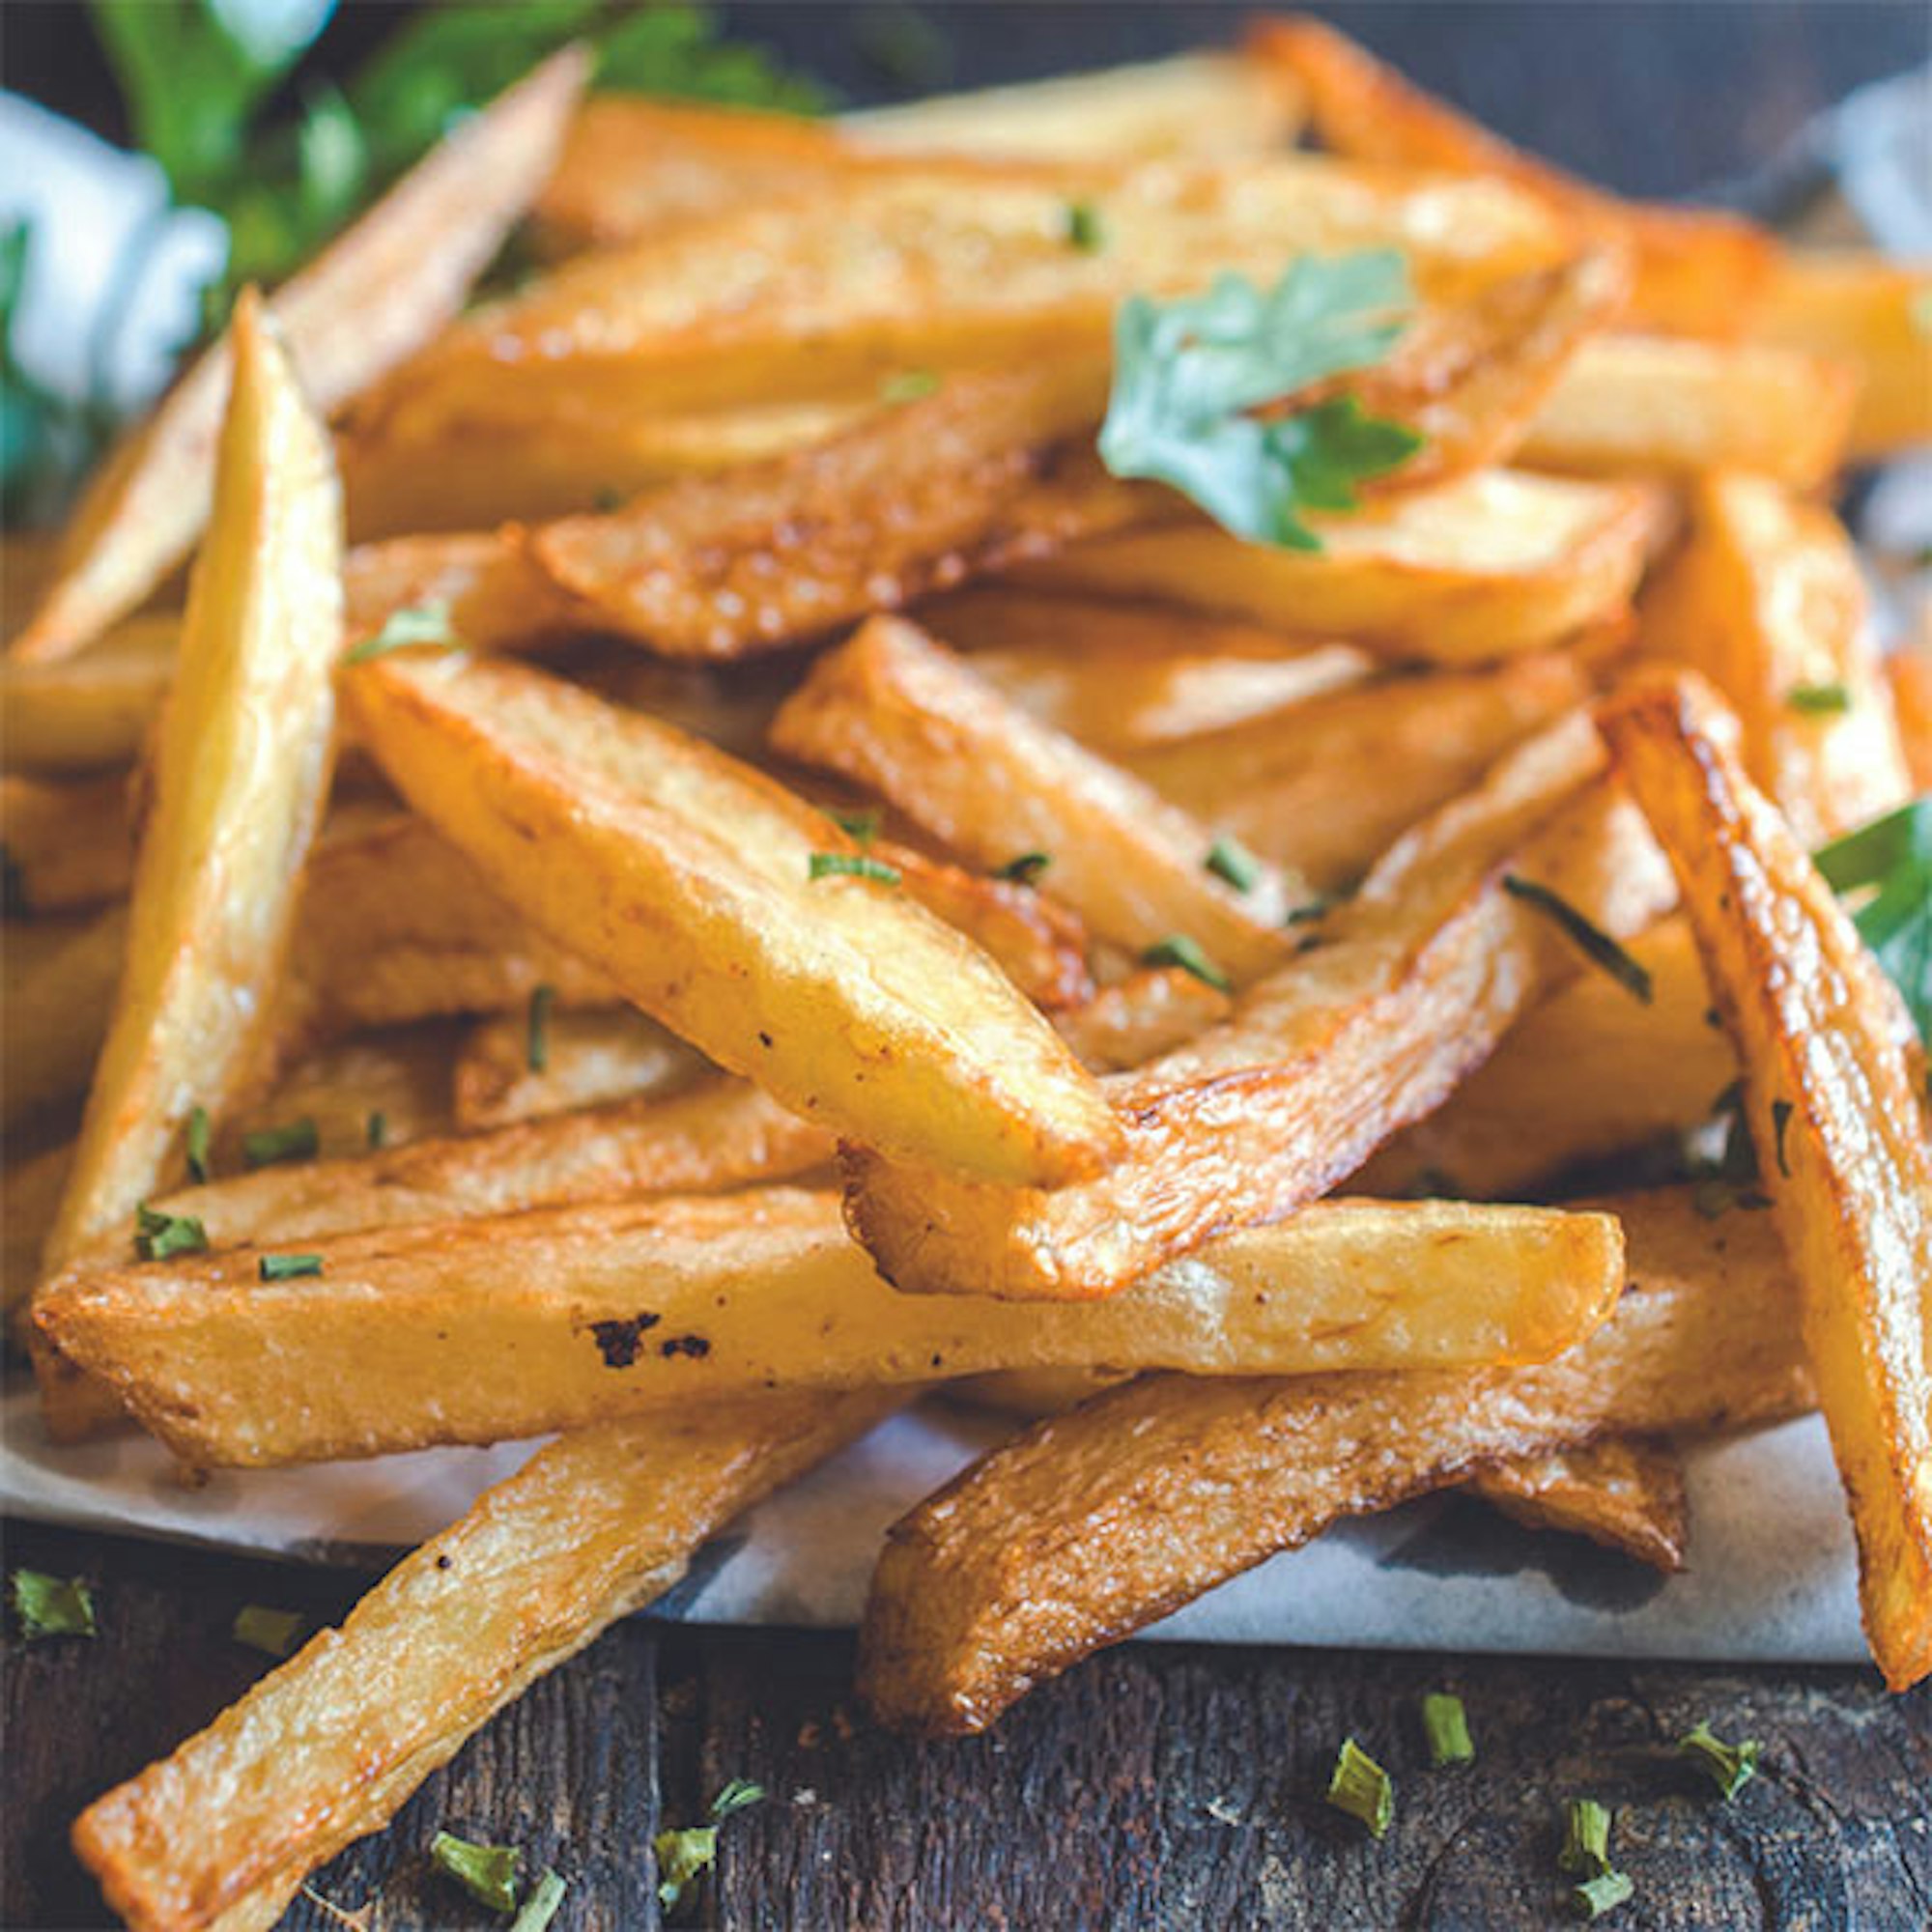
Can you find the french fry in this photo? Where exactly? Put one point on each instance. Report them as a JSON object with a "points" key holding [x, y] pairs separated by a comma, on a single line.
{"points": [[1150, 1013], [687, 877], [1590, 1073], [1325, 788], [1408, 988], [30, 1193], [384, 1087], [610, 1309], [90, 712], [1768, 601], [1125, 677], [242, 774], [326, 1747], [1623, 1492], [1093, 1524], [485, 583], [66, 844], [1483, 568], [1698, 272], [579, 1059], [1832, 1103], [1646, 405], [57, 981], [379, 291], [900, 714]]}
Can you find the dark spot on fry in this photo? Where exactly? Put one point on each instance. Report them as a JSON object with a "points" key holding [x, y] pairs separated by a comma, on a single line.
{"points": [[620, 1341], [694, 1345]]}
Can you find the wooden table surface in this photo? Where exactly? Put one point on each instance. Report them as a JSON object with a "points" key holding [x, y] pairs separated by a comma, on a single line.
{"points": [[1161, 1784]]}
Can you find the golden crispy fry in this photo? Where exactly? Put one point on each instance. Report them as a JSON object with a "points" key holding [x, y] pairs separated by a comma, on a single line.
{"points": [[1483, 567], [493, 595], [1697, 271], [1909, 672], [1325, 788], [1125, 677], [1409, 988], [242, 774], [1832, 1102], [30, 1193], [384, 1087], [907, 718], [326, 1747], [91, 711], [1644, 405], [606, 1310], [1093, 1524], [1153, 1012], [1589, 1074], [585, 1057], [1867, 313], [1767, 599], [57, 981], [377, 293], [1624, 1493], [688, 878], [68, 844]]}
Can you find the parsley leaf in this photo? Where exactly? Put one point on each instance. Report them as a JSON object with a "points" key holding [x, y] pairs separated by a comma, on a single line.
{"points": [[51, 1605], [1188, 372], [682, 1855], [1891, 860]]}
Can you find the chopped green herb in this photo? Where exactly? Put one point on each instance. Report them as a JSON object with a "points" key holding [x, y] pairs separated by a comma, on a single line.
{"points": [[1729, 1766], [274, 1633], [853, 865], [1597, 1895], [683, 1854], [606, 499], [488, 1873], [863, 826], [1025, 870], [740, 1794], [540, 1906], [51, 1605], [1308, 914], [289, 1267], [1178, 950], [375, 1131], [1359, 1786], [416, 626], [1446, 1727], [1891, 860], [159, 1237], [197, 1144], [1596, 944], [268, 1146], [908, 386], [1818, 698], [1229, 859], [1189, 372], [1586, 1838], [1780, 1120], [1085, 228], [536, 1029]]}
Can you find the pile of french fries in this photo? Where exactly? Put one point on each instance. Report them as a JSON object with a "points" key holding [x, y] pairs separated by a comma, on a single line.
{"points": [[767, 882]]}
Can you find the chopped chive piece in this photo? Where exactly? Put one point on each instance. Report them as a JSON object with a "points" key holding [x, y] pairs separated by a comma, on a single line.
{"points": [[289, 1267], [1586, 1838], [1592, 939], [267, 1147], [853, 865], [1306, 915], [1178, 950], [863, 826], [1780, 1119], [414, 625], [51, 1605], [1359, 1786], [1729, 1766], [197, 1144], [536, 1033], [488, 1873], [540, 1906], [1818, 698], [1085, 229], [738, 1794], [1229, 859], [274, 1633], [1447, 1729], [1025, 870], [683, 1854], [375, 1131], [1601, 1894], [159, 1237], [908, 386]]}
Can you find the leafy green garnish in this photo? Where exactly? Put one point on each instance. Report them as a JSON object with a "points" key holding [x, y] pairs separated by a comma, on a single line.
{"points": [[1601, 1894], [414, 627], [159, 1237], [1819, 699], [682, 1855], [908, 386], [274, 1633], [1359, 1786], [1086, 230], [1178, 949], [375, 1131], [288, 1267], [1229, 859], [540, 1906], [1189, 374], [536, 1029], [51, 1605], [1025, 870], [1890, 860], [1729, 1766], [269, 1146], [1586, 1838], [488, 1873], [852, 865], [197, 1143], [863, 826], [1592, 939], [1446, 1727]]}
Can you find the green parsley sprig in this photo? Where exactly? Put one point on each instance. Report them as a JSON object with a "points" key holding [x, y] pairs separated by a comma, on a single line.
{"points": [[1888, 865]]}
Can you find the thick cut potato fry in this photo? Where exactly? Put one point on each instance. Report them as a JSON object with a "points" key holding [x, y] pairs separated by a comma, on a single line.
{"points": [[1325, 788], [1624, 1493], [1768, 601], [57, 981], [491, 593], [1696, 271], [1123, 677], [1644, 405], [66, 844], [579, 1059], [1410, 987], [1589, 1074], [379, 291], [326, 1747], [241, 775], [384, 1087], [612, 1309], [907, 718], [1867, 313], [91, 711], [1093, 1524], [1832, 1103], [1153, 1011], [687, 877], [1483, 567]]}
